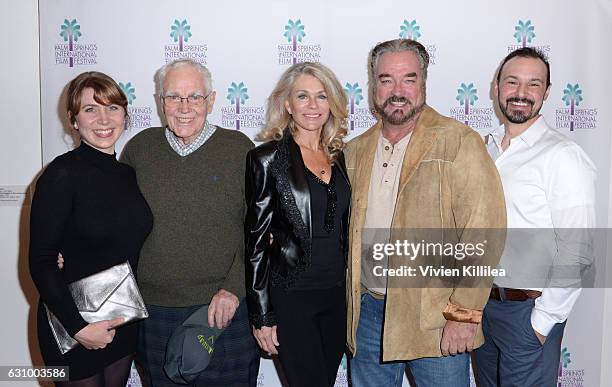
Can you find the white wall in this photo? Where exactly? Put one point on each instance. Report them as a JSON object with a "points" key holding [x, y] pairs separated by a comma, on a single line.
{"points": [[20, 161], [606, 339]]}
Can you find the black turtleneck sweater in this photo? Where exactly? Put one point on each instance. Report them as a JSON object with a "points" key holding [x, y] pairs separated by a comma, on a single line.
{"points": [[88, 207]]}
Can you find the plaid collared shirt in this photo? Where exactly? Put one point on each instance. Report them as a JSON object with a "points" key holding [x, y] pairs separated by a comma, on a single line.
{"points": [[184, 150]]}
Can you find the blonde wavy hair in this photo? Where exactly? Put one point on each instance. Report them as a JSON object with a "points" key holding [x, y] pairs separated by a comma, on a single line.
{"points": [[277, 117]]}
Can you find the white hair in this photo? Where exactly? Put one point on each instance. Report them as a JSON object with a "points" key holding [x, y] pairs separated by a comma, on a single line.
{"points": [[162, 72]]}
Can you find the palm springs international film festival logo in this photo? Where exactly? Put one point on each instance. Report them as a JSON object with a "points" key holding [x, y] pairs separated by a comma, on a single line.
{"points": [[180, 32], [524, 33], [570, 116], [358, 117], [467, 112], [295, 51], [238, 115], [134, 379], [140, 116], [411, 30], [566, 376], [342, 374], [71, 52]]}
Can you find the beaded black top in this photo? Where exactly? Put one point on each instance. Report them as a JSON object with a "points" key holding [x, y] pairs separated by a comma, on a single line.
{"points": [[332, 199], [328, 203]]}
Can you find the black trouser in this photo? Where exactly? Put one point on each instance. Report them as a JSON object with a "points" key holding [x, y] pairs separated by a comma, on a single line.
{"points": [[312, 334]]}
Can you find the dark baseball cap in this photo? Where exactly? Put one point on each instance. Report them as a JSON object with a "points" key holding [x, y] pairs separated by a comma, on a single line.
{"points": [[191, 347]]}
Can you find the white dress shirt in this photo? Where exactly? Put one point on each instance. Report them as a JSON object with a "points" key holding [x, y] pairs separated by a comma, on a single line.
{"points": [[549, 185]]}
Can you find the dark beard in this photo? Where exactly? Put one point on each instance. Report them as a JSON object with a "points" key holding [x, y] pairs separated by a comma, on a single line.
{"points": [[396, 117], [518, 117]]}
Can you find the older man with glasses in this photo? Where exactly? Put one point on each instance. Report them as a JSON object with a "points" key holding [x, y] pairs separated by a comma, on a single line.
{"points": [[192, 175]]}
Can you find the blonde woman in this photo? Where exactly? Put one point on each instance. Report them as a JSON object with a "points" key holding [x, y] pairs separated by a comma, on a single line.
{"points": [[298, 198]]}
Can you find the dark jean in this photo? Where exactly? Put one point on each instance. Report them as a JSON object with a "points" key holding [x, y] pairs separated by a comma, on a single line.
{"points": [[367, 369], [512, 354], [235, 361]]}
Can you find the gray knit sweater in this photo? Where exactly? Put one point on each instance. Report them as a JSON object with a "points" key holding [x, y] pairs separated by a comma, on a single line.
{"points": [[196, 246]]}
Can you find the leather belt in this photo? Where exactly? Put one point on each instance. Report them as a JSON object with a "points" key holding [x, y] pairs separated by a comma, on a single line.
{"points": [[376, 295], [509, 294]]}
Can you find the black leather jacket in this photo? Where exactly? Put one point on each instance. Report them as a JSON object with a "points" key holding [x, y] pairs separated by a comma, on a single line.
{"points": [[278, 203]]}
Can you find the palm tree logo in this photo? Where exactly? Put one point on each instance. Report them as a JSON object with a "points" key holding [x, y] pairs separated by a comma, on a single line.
{"points": [[180, 32], [294, 32], [129, 91], [71, 32], [237, 94], [410, 30], [354, 94], [523, 32], [466, 95], [572, 96], [563, 363], [565, 357]]}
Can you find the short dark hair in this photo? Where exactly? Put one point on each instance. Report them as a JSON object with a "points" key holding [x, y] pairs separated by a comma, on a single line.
{"points": [[395, 45], [526, 52], [398, 45], [106, 92]]}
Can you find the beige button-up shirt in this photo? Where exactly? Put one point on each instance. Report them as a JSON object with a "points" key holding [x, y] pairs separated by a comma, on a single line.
{"points": [[382, 196]]}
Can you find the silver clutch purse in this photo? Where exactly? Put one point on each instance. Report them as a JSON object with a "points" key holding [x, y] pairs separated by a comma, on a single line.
{"points": [[106, 295]]}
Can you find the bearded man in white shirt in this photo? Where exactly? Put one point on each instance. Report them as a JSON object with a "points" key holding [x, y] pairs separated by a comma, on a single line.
{"points": [[549, 186]]}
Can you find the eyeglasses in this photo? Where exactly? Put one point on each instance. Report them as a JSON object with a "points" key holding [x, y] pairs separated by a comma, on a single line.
{"points": [[192, 100]]}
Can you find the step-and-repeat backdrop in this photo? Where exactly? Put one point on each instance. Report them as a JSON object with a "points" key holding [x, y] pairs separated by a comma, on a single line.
{"points": [[247, 44]]}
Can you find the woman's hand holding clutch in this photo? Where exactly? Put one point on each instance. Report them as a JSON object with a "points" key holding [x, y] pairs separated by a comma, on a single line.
{"points": [[99, 334]]}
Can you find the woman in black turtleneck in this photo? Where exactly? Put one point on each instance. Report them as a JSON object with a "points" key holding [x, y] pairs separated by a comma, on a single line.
{"points": [[88, 207]]}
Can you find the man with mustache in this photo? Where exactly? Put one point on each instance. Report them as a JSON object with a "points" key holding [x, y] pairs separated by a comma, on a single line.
{"points": [[549, 187], [415, 169]]}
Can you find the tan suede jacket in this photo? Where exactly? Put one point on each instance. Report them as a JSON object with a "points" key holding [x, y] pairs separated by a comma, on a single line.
{"points": [[447, 181]]}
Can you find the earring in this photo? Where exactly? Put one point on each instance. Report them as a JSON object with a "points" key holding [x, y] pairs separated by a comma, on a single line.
{"points": [[76, 126]]}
